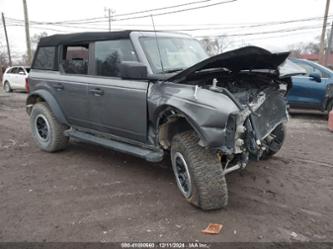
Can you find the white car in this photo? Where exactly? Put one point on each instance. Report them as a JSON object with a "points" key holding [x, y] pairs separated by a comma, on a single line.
{"points": [[16, 78]]}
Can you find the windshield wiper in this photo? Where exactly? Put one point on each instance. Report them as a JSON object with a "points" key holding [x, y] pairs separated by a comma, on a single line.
{"points": [[173, 70]]}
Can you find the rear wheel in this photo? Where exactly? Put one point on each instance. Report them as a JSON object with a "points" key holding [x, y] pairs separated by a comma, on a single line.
{"points": [[6, 87], [47, 132], [198, 172], [275, 141]]}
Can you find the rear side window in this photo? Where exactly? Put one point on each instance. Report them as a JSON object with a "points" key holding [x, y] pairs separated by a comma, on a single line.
{"points": [[45, 58], [109, 54], [75, 59], [12, 70]]}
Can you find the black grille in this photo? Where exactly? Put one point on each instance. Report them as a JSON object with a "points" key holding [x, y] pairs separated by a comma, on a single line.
{"points": [[271, 113]]}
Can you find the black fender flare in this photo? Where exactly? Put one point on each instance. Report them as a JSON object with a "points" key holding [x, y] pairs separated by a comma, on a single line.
{"points": [[162, 110], [50, 100]]}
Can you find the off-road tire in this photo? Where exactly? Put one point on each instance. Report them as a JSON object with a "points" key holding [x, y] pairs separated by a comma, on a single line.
{"points": [[274, 147], [209, 187], [57, 140], [6, 87]]}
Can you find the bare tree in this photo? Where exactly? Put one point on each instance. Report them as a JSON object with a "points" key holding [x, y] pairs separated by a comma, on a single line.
{"points": [[34, 42], [306, 48], [216, 45], [3, 59], [35, 39]]}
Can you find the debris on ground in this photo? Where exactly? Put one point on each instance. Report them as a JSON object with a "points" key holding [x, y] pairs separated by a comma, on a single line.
{"points": [[212, 229]]}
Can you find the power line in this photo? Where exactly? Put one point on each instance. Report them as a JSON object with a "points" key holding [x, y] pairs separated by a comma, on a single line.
{"points": [[204, 26], [294, 33], [163, 8], [275, 31], [104, 19], [175, 11], [295, 29], [285, 30]]}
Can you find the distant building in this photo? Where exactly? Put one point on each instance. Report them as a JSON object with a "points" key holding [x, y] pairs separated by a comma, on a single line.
{"points": [[315, 58]]}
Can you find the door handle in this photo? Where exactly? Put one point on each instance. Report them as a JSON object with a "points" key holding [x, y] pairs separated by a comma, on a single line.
{"points": [[58, 87], [96, 91]]}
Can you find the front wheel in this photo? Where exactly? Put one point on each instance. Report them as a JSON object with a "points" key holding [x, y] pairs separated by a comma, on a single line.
{"points": [[198, 172], [275, 141], [6, 87]]}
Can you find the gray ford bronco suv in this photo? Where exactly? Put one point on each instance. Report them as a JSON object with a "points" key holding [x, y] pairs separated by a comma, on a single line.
{"points": [[152, 94]]}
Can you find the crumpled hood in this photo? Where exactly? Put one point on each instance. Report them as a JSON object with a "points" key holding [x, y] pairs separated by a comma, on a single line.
{"points": [[246, 58]]}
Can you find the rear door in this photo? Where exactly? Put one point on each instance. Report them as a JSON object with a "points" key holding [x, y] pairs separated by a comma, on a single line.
{"points": [[116, 106], [62, 71], [72, 83]]}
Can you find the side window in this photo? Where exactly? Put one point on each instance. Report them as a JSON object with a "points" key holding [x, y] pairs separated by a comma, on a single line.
{"points": [[75, 59], [310, 69], [20, 70], [324, 74], [307, 68], [45, 58], [109, 54]]}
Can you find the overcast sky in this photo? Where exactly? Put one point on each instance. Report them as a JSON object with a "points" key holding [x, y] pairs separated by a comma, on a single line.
{"points": [[227, 19]]}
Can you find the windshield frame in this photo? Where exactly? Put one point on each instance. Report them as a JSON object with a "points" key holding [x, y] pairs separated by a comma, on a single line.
{"points": [[167, 70]]}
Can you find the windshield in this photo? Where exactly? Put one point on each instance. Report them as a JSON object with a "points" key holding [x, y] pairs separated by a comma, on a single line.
{"points": [[176, 53]]}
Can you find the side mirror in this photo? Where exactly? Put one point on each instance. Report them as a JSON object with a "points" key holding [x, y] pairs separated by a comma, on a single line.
{"points": [[315, 77], [133, 70]]}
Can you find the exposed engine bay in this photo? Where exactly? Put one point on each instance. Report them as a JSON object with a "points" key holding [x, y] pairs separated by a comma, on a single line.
{"points": [[260, 99]]}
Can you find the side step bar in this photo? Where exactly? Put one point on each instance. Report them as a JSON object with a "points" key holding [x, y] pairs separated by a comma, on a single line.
{"points": [[149, 155]]}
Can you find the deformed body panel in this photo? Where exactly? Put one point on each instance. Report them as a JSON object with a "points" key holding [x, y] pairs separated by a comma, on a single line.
{"points": [[205, 110]]}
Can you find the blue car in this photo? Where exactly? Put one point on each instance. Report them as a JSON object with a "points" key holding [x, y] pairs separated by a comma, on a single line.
{"points": [[313, 90]]}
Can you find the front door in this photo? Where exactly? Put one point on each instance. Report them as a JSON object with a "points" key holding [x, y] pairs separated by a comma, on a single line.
{"points": [[306, 92], [117, 106]]}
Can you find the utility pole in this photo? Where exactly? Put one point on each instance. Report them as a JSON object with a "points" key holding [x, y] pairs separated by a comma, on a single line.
{"points": [[109, 15], [27, 32], [322, 38], [7, 42], [329, 46]]}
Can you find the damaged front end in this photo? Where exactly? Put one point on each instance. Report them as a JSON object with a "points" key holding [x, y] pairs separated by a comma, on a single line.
{"points": [[261, 109], [251, 79], [259, 115]]}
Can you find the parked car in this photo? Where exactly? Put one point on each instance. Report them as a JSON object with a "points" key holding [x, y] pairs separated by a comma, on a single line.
{"points": [[314, 89], [16, 78], [147, 93]]}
